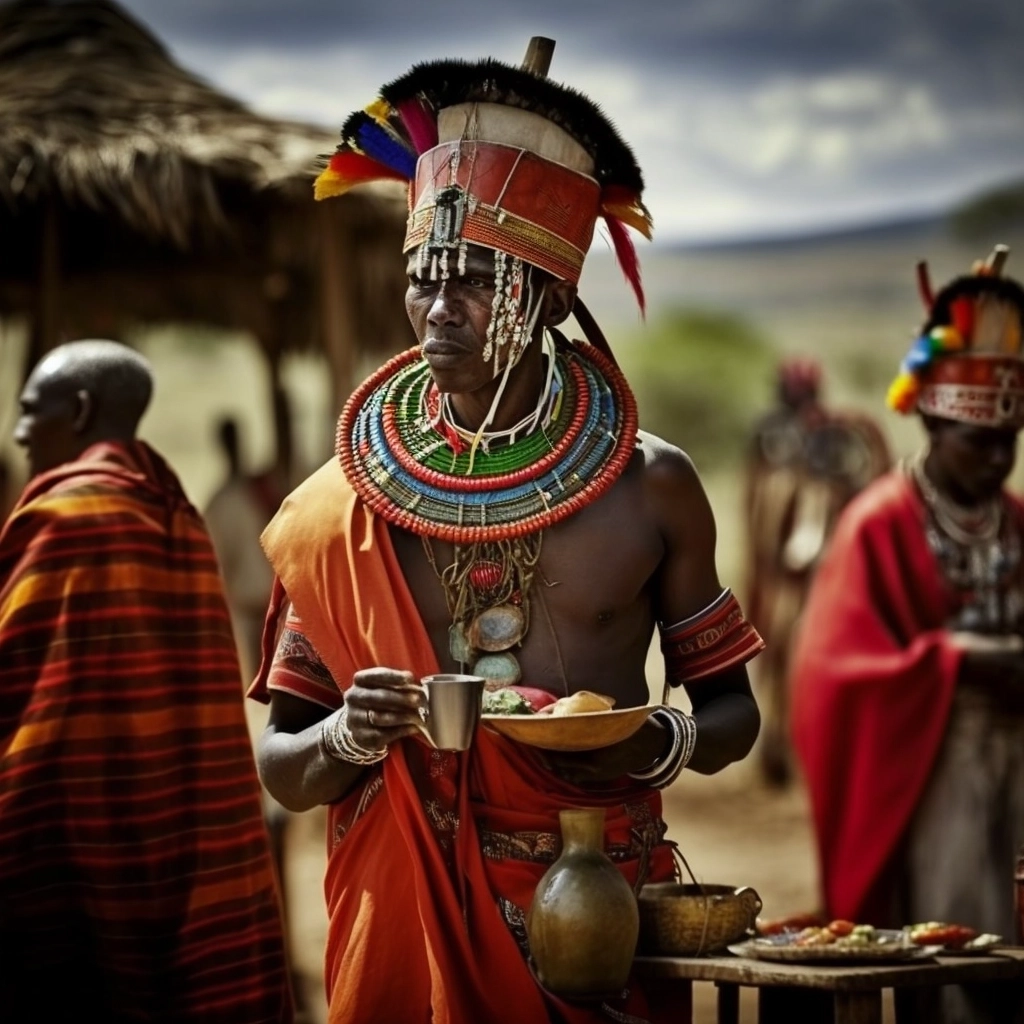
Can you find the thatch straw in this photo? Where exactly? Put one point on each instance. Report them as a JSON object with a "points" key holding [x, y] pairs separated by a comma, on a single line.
{"points": [[92, 107]]}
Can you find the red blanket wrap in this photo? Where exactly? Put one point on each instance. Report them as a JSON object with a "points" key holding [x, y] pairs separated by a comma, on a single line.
{"points": [[135, 875], [873, 679], [434, 861]]}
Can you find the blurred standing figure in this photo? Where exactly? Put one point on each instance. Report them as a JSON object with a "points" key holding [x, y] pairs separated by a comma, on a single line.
{"points": [[236, 515], [908, 682], [806, 462], [135, 875]]}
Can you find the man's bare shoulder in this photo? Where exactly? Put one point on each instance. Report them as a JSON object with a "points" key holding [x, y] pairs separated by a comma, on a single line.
{"points": [[668, 471]]}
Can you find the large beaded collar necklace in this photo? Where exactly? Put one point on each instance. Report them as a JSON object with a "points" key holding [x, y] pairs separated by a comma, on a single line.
{"points": [[408, 466], [405, 469]]}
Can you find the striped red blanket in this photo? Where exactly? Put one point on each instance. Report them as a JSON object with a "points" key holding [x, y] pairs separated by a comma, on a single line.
{"points": [[135, 873]]}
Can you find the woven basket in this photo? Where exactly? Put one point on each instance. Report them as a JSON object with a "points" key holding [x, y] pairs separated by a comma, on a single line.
{"points": [[688, 920]]}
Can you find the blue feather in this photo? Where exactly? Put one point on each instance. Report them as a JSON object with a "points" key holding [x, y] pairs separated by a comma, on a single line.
{"points": [[378, 143], [919, 356]]}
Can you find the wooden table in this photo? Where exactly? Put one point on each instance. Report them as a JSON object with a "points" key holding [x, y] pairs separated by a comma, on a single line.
{"points": [[847, 995]]}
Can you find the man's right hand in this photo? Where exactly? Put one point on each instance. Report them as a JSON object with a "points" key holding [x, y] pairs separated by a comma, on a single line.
{"points": [[383, 706], [996, 667]]}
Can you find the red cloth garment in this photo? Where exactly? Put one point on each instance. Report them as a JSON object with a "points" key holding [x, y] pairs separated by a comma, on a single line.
{"points": [[135, 874], [434, 858], [873, 678]]}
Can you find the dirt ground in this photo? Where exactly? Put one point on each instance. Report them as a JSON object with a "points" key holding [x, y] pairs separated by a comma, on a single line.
{"points": [[731, 828]]}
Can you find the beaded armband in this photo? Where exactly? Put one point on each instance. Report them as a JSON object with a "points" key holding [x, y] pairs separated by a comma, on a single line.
{"points": [[717, 638]]}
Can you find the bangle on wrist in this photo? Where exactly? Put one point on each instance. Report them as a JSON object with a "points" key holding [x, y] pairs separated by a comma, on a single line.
{"points": [[666, 769], [337, 742]]}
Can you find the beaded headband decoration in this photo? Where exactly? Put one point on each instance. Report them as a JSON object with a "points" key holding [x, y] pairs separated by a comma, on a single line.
{"points": [[967, 365], [499, 156]]}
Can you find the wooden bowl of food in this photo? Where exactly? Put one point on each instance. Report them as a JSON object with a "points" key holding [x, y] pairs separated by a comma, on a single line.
{"points": [[689, 920]]}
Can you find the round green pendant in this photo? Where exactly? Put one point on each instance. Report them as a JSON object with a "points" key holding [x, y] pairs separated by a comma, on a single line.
{"points": [[498, 669]]}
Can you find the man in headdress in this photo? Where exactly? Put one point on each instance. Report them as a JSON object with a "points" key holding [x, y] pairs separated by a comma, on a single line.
{"points": [[492, 509], [806, 461], [908, 686], [136, 881]]}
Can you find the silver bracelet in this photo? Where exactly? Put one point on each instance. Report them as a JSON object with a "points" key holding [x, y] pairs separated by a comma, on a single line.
{"points": [[337, 742], [667, 769]]}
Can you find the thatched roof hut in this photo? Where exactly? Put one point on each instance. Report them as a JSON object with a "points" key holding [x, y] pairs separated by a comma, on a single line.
{"points": [[133, 193]]}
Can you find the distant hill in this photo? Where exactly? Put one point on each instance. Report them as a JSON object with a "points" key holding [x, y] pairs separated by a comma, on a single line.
{"points": [[992, 211], [921, 226]]}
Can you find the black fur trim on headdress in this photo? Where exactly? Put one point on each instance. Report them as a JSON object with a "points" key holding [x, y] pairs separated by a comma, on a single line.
{"points": [[445, 83]]}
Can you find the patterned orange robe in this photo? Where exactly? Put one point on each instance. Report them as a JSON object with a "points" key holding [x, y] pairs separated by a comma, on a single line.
{"points": [[433, 860]]}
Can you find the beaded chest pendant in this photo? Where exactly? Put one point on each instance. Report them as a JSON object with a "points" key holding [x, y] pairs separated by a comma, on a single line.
{"points": [[491, 504]]}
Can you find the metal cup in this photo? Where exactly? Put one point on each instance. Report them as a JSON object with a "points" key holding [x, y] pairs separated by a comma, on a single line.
{"points": [[453, 709]]}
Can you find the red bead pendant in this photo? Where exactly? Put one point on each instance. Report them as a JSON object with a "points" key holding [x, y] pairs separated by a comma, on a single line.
{"points": [[484, 575]]}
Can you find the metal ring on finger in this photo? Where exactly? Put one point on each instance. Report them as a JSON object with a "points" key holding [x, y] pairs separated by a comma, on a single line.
{"points": [[369, 719]]}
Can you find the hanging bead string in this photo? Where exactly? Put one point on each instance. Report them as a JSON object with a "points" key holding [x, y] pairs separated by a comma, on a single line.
{"points": [[518, 559], [538, 418], [979, 552], [514, 313], [964, 525]]}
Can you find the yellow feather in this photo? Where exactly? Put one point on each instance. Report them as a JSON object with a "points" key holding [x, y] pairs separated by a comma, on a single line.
{"points": [[380, 110], [636, 216], [330, 184]]}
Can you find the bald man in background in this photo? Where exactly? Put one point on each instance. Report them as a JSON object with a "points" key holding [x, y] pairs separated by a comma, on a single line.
{"points": [[135, 873]]}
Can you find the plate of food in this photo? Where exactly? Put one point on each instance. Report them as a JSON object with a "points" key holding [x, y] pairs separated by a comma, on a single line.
{"points": [[837, 941], [582, 721], [955, 939]]}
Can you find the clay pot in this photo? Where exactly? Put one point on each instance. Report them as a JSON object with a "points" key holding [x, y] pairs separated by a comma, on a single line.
{"points": [[583, 922]]}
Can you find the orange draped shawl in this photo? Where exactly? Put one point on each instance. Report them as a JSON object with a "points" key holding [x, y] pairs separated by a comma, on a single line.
{"points": [[135, 873], [873, 679], [430, 868]]}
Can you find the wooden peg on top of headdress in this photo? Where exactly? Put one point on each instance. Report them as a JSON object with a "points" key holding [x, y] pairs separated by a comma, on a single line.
{"points": [[996, 260], [538, 56]]}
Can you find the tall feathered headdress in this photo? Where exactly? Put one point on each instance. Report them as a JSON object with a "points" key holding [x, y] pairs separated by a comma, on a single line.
{"points": [[967, 363], [498, 156]]}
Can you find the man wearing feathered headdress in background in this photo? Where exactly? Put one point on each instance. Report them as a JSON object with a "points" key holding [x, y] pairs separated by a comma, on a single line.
{"points": [[806, 460], [492, 510], [908, 678]]}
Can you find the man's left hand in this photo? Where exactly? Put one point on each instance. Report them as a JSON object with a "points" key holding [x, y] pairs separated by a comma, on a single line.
{"points": [[587, 767]]}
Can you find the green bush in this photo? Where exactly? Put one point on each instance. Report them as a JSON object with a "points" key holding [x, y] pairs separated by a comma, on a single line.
{"points": [[701, 378]]}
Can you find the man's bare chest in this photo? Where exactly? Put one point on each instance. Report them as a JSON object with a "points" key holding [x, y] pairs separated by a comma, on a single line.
{"points": [[589, 604]]}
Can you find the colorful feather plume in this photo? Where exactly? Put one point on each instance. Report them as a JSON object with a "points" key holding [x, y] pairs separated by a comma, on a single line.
{"points": [[629, 262], [363, 133], [345, 170]]}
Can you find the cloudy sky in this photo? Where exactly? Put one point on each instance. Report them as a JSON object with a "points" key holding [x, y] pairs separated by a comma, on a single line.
{"points": [[749, 117]]}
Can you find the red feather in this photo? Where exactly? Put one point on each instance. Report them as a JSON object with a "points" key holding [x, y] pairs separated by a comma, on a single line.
{"points": [[625, 253], [420, 123], [962, 314]]}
